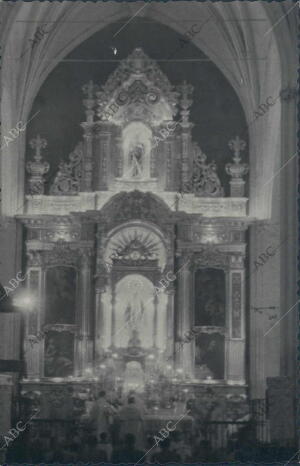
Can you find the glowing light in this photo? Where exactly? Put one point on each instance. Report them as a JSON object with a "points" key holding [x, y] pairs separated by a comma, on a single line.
{"points": [[57, 379], [25, 300]]}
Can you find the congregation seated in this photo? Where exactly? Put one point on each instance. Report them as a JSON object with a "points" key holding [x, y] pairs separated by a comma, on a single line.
{"points": [[128, 453], [105, 445], [92, 451], [119, 435], [166, 455]]}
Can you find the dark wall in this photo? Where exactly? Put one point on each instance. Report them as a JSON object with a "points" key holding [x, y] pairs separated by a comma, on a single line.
{"points": [[216, 111]]}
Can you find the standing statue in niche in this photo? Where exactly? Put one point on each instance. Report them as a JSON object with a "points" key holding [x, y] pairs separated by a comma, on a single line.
{"points": [[136, 156], [134, 341]]}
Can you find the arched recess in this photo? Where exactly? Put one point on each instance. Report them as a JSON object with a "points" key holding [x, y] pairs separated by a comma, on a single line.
{"points": [[224, 31]]}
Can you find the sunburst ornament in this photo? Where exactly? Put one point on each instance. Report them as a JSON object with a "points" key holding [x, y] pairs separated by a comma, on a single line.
{"points": [[136, 245]]}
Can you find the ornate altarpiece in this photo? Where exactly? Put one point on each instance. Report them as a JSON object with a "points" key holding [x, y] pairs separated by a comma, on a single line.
{"points": [[136, 201]]}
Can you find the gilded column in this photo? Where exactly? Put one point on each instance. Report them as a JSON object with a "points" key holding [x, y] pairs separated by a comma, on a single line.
{"points": [[183, 356], [119, 157], [185, 103], [99, 318], [170, 323], [89, 103], [84, 342], [33, 346], [87, 172], [100, 288], [168, 162], [104, 134], [113, 315], [236, 339], [155, 321], [186, 139]]}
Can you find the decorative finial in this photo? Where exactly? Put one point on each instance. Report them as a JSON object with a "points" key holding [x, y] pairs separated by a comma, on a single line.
{"points": [[237, 145], [185, 103], [236, 169], [38, 144], [89, 102], [89, 89], [37, 169]]}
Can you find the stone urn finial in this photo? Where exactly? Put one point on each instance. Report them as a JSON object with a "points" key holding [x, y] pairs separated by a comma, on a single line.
{"points": [[237, 170]]}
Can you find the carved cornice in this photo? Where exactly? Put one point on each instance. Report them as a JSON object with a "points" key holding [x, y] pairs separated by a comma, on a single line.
{"points": [[62, 253], [50, 228], [73, 329], [48, 221], [211, 257], [211, 231]]}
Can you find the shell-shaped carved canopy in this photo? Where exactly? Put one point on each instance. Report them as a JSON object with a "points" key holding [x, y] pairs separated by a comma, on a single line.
{"points": [[136, 205]]}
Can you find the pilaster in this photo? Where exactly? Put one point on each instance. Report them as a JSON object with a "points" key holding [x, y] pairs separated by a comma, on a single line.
{"points": [[183, 357]]}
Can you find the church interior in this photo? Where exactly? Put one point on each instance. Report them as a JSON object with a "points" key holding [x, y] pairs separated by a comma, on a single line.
{"points": [[149, 227]]}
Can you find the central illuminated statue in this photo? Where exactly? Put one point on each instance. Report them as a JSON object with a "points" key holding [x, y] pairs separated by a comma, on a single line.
{"points": [[136, 156]]}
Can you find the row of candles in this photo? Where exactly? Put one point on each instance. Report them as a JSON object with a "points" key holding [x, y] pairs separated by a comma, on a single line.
{"points": [[99, 373]]}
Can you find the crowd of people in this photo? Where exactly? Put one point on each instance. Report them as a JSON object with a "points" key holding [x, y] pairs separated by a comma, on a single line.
{"points": [[114, 431]]}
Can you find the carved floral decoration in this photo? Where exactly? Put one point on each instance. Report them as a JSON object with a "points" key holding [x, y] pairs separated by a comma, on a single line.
{"points": [[67, 179], [206, 182]]}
